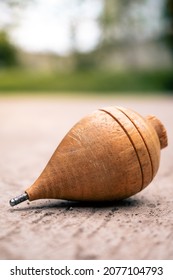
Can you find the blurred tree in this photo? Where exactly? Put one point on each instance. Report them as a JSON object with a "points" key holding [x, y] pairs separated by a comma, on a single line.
{"points": [[115, 19], [10, 10], [168, 13], [8, 53]]}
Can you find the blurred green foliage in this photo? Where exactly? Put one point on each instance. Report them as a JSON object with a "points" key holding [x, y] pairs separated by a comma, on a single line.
{"points": [[85, 74], [86, 81], [168, 14], [8, 53]]}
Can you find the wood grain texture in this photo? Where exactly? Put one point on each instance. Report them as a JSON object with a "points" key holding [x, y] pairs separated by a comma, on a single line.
{"points": [[110, 154]]}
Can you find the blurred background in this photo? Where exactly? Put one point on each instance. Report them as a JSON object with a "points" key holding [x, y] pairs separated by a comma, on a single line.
{"points": [[86, 46]]}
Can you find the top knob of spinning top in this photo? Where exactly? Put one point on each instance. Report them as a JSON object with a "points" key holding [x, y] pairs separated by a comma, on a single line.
{"points": [[160, 130]]}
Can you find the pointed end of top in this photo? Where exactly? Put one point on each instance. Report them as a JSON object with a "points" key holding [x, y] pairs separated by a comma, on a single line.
{"points": [[160, 130], [18, 199]]}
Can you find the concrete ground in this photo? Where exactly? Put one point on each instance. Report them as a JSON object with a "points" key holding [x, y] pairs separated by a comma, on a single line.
{"points": [[140, 227]]}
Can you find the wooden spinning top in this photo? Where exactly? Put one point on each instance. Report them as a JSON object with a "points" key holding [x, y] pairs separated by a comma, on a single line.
{"points": [[110, 154]]}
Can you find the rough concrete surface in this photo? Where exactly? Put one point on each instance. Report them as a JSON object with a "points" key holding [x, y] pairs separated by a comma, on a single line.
{"points": [[140, 227]]}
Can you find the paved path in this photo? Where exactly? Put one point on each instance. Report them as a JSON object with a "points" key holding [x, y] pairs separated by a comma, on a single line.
{"points": [[138, 228]]}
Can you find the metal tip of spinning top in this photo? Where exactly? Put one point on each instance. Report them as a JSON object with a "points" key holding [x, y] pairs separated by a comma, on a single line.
{"points": [[18, 199]]}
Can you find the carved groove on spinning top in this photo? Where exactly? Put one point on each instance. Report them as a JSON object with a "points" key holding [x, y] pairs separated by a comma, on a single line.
{"points": [[140, 164], [141, 137]]}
